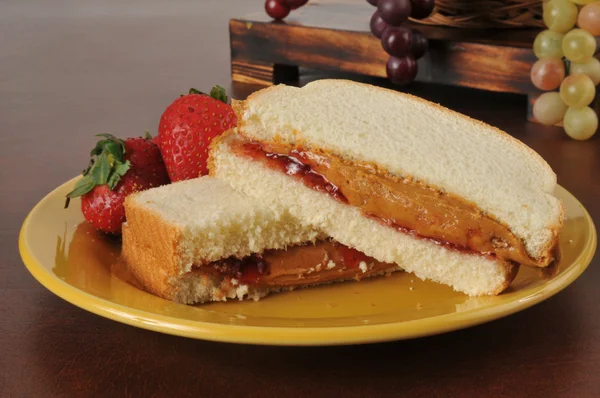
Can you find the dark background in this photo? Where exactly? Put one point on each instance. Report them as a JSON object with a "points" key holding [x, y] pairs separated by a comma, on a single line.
{"points": [[70, 69]]}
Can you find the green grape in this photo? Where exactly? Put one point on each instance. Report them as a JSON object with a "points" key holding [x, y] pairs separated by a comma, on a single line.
{"points": [[577, 91], [548, 44], [560, 15], [578, 45], [580, 123], [590, 68], [549, 108]]}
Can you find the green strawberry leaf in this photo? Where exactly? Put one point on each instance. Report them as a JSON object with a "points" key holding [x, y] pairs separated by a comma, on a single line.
{"points": [[87, 169], [82, 187], [111, 138], [113, 180], [118, 171], [115, 149], [111, 143], [100, 170], [194, 91], [219, 93], [106, 166], [121, 168], [148, 136], [98, 148]]}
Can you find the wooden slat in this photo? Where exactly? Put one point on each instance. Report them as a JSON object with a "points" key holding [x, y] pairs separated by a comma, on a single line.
{"points": [[494, 68], [251, 72]]}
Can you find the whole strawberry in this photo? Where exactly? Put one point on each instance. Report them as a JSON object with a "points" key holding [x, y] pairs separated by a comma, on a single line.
{"points": [[118, 168], [188, 126]]}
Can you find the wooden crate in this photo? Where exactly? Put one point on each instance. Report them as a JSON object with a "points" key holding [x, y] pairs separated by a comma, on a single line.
{"points": [[334, 35]]}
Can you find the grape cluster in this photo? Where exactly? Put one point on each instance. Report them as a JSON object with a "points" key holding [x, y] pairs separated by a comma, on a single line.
{"points": [[279, 9], [404, 45], [563, 50]]}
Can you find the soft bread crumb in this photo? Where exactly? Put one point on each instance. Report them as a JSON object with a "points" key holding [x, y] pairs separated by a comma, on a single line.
{"points": [[208, 221], [241, 291], [363, 266]]}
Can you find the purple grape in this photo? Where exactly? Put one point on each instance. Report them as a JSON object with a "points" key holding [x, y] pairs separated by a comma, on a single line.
{"points": [[293, 4], [276, 10], [420, 44], [378, 25], [394, 12], [402, 70], [397, 41], [421, 8], [373, 2]]}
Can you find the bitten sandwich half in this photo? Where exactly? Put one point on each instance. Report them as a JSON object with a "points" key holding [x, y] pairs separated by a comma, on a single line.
{"points": [[398, 178], [199, 241]]}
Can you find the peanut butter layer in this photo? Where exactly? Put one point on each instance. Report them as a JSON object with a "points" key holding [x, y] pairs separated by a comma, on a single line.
{"points": [[308, 264], [403, 203]]}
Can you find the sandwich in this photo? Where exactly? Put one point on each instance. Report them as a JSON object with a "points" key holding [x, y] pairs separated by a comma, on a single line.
{"points": [[199, 241], [398, 178]]}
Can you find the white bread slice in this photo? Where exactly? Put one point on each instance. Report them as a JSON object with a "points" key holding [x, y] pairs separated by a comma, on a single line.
{"points": [[145, 264], [202, 220], [409, 136], [473, 274], [171, 228]]}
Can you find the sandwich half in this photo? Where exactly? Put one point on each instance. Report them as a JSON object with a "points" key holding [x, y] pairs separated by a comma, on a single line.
{"points": [[199, 241], [403, 180]]}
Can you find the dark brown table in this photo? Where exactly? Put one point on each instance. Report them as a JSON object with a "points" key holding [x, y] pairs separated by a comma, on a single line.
{"points": [[69, 69]]}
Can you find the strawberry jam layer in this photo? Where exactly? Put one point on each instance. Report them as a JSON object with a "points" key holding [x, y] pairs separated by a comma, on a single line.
{"points": [[321, 262], [409, 206], [292, 165]]}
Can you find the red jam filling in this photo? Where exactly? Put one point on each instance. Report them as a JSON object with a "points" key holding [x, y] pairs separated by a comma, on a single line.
{"points": [[292, 166], [248, 270]]}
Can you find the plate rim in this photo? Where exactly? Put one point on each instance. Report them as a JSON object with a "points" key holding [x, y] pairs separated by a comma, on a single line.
{"points": [[296, 336]]}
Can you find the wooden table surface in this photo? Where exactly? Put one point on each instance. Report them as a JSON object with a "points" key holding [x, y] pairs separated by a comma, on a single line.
{"points": [[70, 69]]}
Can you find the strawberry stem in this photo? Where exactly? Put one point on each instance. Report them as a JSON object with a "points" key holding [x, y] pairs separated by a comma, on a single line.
{"points": [[217, 92], [195, 91], [106, 166]]}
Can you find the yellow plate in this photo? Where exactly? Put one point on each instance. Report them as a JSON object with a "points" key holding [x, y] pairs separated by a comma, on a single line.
{"points": [[80, 265]]}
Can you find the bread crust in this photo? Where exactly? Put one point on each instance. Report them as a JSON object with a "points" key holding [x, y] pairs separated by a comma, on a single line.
{"points": [[216, 142], [511, 270], [143, 244], [138, 262]]}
